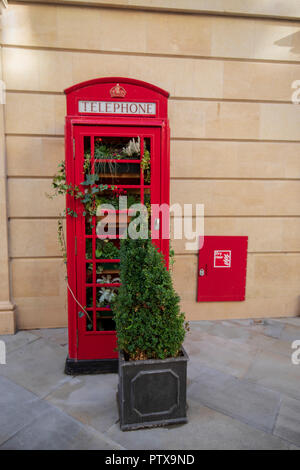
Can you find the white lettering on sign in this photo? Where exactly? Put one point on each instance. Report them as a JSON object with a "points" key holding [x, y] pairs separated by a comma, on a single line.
{"points": [[222, 259], [116, 107]]}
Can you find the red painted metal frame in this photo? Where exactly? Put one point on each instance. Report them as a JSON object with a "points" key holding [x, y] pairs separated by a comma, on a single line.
{"points": [[81, 345], [89, 343]]}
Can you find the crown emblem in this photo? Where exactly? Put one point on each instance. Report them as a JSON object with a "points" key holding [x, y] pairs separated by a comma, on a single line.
{"points": [[117, 91]]}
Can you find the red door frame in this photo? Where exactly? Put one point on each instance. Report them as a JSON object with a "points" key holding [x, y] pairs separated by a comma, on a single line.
{"points": [[95, 89], [89, 346]]}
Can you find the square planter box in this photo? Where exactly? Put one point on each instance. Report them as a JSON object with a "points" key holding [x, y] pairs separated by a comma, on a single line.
{"points": [[153, 392]]}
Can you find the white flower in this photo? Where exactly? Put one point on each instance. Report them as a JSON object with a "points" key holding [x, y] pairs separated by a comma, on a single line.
{"points": [[132, 147]]}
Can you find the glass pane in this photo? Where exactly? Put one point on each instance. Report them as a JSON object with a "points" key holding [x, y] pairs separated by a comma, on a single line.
{"points": [[87, 155], [107, 268], [89, 248], [112, 219], [89, 273], [111, 172], [133, 196], [146, 161], [114, 225], [107, 278], [106, 249], [117, 148], [105, 324], [88, 225], [147, 202], [89, 297], [89, 322], [112, 196], [147, 199], [105, 295]]}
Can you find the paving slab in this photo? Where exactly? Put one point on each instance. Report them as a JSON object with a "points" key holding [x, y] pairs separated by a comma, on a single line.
{"points": [[206, 429], [288, 421], [90, 399], [245, 335], [242, 321], [56, 335], [18, 408], [203, 325], [38, 366], [265, 326], [246, 401], [54, 430], [270, 328], [21, 338], [276, 372], [289, 320], [267, 343], [227, 330], [219, 353], [290, 333]]}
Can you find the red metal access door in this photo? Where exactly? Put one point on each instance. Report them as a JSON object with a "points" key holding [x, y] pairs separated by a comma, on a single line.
{"points": [[222, 269], [127, 160]]}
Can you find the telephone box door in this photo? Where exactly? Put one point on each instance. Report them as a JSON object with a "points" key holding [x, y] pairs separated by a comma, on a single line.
{"points": [[127, 163]]}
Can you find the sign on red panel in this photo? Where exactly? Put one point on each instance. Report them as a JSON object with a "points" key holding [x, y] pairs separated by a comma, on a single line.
{"points": [[222, 269], [222, 259]]}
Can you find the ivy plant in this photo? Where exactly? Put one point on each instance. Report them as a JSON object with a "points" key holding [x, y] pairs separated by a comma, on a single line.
{"points": [[145, 163]]}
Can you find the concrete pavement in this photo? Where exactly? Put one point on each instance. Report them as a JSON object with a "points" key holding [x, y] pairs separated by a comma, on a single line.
{"points": [[243, 393]]}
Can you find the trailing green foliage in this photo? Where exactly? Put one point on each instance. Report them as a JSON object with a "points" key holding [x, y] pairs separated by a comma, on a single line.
{"points": [[105, 249], [149, 323], [146, 166]]}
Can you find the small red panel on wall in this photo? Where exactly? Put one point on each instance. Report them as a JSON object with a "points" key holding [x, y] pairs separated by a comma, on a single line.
{"points": [[222, 269]]}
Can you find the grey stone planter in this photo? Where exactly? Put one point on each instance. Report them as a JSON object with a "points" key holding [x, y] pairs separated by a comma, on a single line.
{"points": [[153, 392]]}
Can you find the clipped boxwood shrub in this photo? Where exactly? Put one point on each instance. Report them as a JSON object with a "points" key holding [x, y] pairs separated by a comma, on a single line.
{"points": [[149, 323]]}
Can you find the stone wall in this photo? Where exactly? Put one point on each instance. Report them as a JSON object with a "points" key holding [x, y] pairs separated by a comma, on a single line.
{"points": [[235, 139]]}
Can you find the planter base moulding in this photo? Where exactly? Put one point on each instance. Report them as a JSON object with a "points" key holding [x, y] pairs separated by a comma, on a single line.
{"points": [[91, 366], [152, 393]]}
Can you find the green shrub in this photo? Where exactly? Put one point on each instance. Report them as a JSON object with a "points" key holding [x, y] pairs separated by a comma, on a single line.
{"points": [[149, 323]]}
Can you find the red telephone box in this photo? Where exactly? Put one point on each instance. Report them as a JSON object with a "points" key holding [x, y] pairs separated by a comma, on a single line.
{"points": [[118, 128]]}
